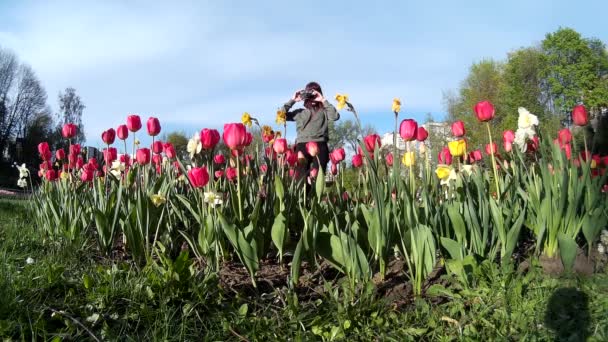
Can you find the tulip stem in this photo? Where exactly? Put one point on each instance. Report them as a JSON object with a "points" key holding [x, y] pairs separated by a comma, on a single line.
{"points": [[493, 162], [238, 186]]}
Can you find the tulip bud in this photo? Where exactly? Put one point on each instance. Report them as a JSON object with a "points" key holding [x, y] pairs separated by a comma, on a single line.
{"points": [[142, 156], [60, 154], [334, 169], [458, 129], [169, 150], [69, 130], [209, 138], [280, 146], [153, 126], [371, 141], [219, 174], [199, 177], [312, 148], [123, 132], [357, 160], [484, 111], [133, 123], [157, 147], [337, 155], [231, 173], [408, 129], [219, 159], [508, 136], [389, 159], [421, 134], [108, 136], [580, 116], [444, 156], [491, 149]]}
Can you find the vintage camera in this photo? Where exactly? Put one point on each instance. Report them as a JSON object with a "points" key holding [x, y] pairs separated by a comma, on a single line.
{"points": [[307, 94]]}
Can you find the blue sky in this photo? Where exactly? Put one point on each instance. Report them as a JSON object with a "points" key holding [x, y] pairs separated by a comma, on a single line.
{"points": [[200, 64]]}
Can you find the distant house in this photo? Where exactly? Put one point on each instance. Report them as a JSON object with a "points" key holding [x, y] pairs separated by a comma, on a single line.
{"points": [[440, 130]]}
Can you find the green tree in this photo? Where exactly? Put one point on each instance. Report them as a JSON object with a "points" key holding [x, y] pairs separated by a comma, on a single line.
{"points": [[345, 133], [179, 141]]}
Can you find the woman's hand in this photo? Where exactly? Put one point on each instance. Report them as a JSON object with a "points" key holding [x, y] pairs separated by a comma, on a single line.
{"points": [[296, 96], [318, 96]]}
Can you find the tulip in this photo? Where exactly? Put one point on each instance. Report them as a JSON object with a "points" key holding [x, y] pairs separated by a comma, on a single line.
{"points": [[484, 111], [122, 132], [169, 150], [45, 151], [337, 155], [291, 158], [357, 160], [580, 116], [219, 159], [263, 168], [124, 158], [389, 159], [50, 175], [444, 156], [153, 126], [235, 135], [371, 141], [133, 123], [408, 129], [79, 163], [231, 173], [209, 138], [59, 154], [312, 148], [568, 150], [334, 169], [92, 164], [533, 144], [87, 175], [46, 165], [421, 134], [477, 154], [605, 161], [564, 136], [443, 171], [75, 149], [491, 149], [409, 159], [157, 159], [280, 146], [199, 177], [108, 136], [293, 173], [508, 136], [458, 129], [457, 147], [219, 174], [142, 156], [157, 147], [314, 172], [69, 130], [110, 154]]}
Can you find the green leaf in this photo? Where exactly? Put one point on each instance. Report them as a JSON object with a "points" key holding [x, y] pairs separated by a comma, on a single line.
{"points": [[457, 222], [454, 248], [243, 310], [567, 250], [320, 183], [279, 233], [296, 262], [279, 189], [87, 281]]}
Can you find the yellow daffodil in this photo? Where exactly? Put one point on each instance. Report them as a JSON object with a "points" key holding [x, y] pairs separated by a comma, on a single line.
{"points": [[396, 105], [267, 130], [409, 159], [342, 99], [137, 142], [443, 171], [593, 164], [457, 147], [281, 117], [64, 175], [158, 200], [246, 119]]}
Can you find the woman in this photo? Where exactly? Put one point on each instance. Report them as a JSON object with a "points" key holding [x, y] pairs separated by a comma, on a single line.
{"points": [[312, 123]]}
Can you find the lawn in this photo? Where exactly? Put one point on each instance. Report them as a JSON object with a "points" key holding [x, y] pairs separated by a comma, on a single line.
{"points": [[62, 292]]}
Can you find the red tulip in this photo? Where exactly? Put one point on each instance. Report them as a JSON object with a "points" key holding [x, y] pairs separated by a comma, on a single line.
{"points": [[110, 154], [263, 168], [491, 149], [169, 150], [92, 164], [124, 158], [219, 174], [508, 136], [291, 157], [568, 150], [219, 159], [46, 165], [153, 126], [337, 155], [458, 129], [69, 130], [445, 157], [357, 160], [280, 146], [75, 149], [484, 111], [235, 135], [312, 148], [231, 173], [605, 160], [508, 146], [209, 138], [389, 159], [133, 123], [533, 144], [580, 116], [79, 163], [199, 177], [314, 172], [248, 139], [108, 136], [421, 134], [45, 151], [477, 153], [123, 132], [371, 141], [87, 175], [564, 136], [142, 156], [50, 175], [157, 147], [408, 129], [157, 159], [60, 154], [334, 169]]}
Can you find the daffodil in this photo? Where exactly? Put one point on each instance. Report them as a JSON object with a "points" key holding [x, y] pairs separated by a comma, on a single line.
{"points": [[396, 105], [212, 198], [267, 130], [409, 159], [22, 183], [451, 176], [137, 142], [246, 119], [64, 176], [194, 145], [526, 120], [281, 117], [468, 169], [342, 99], [23, 171], [158, 200], [443, 171], [457, 147]]}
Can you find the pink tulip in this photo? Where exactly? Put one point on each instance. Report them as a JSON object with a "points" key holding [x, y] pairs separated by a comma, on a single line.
{"points": [[219, 159], [263, 168], [231, 173], [157, 147], [291, 158], [508, 136], [389, 159], [312, 148], [334, 169], [199, 177], [314, 172], [408, 129], [235, 135], [110, 154], [484, 111], [371, 141], [209, 138], [45, 151], [491, 149], [219, 174], [69, 130], [357, 160], [108, 136], [458, 129], [445, 157], [280, 146], [133, 123], [153, 126], [580, 116], [50, 175], [564, 136], [60, 154], [337, 155], [421, 134], [169, 150], [122, 132], [87, 175], [142, 156]]}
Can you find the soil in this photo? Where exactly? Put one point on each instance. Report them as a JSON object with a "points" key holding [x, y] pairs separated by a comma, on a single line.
{"points": [[583, 264]]}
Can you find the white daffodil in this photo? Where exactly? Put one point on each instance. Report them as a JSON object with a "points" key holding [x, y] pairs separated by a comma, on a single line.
{"points": [[194, 145], [212, 198], [468, 169], [117, 168], [451, 177], [526, 119], [521, 137], [22, 183], [23, 171]]}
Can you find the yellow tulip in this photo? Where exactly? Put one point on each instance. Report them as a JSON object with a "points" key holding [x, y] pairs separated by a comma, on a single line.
{"points": [[443, 171], [281, 117], [396, 105], [409, 159], [246, 119], [457, 147], [342, 99]]}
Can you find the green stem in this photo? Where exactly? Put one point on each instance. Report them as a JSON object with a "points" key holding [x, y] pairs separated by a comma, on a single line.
{"points": [[493, 163], [238, 186]]}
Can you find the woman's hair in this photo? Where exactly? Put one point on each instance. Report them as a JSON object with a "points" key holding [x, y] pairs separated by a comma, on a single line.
{"points": [[311, 104]]}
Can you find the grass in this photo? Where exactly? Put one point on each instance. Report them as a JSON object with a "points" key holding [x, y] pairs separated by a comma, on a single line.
{"points": [[70, 293]]}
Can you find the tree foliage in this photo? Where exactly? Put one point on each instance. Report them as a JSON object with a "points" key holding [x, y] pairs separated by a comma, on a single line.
{"points": [[70, 111]]}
